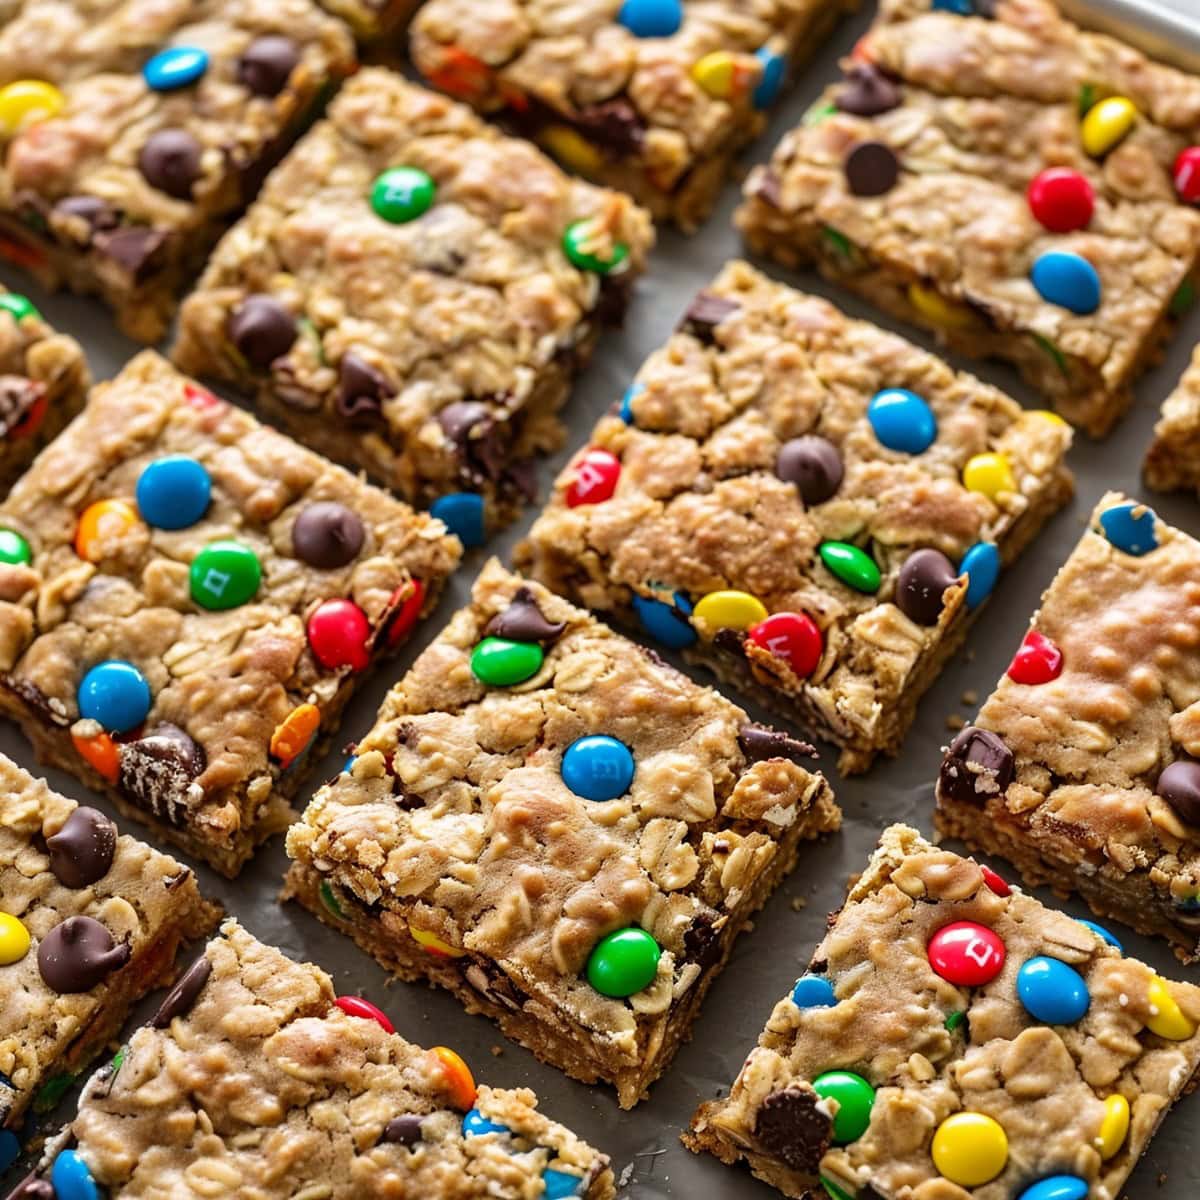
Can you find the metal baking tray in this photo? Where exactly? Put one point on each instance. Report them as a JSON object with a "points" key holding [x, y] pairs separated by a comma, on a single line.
{"points": [[644, 1144], [1168, 29]]}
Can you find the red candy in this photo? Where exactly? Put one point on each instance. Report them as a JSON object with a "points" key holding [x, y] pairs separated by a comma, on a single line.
{"points": [[1038, 660], [966, 954], [31, 422], [356, 1006], [199, 397], [995, 882], [1062, 199], [794, 637], [596, 476], [338, 632], [409, 610], [1187, 174]]}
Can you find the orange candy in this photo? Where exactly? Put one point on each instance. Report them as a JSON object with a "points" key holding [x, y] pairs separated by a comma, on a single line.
{"points": [[103, 522], [293, 734], [458, 1078], [100, 752], [461, 74]]}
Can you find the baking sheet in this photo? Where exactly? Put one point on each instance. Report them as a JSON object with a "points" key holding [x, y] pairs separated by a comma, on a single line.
{"points": [[644, 1144]]}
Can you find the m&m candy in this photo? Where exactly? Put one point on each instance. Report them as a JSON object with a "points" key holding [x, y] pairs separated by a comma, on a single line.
{"points": [[774, 68], [17, 306], [401, 194], [793, 637], [295, 733], [651, 18], [224, 574], [475, 1124], [813, 991], [994, 882], [1057, 1187], [14, 940], [1068, 280], [71, 1178], [981, 566], [966, 953], [730, 610], [1102, 934], [1062, 200], [632, 392], [598, 767], [114, 694], [1106, 124], [356, 1006], [558, 1185], [102, 527], [338, 634], [1187, 174], [175, 67], [1052, 992], [1166, 1018], [852, 565], [14, 549], [855, 1098], [1114, 1128], [462, 513], [1130, 527], [501, 662], [1037, 660], [902, 420], [457, 1076], [595, 478], [588, 247], [623, 962], [970, 1149], [25, 101], [989, 474], [173, 492], [666, 623]]}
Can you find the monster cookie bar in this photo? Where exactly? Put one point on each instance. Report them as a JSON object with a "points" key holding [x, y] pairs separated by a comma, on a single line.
{"points": [[130, 130], [412, 294], [808, 505], [194, 599], [89, 922], [953, 1039], [1022, 187], [1082, 766], [1173, 460], [253, 1080], [372, 20], [559, 828], [43, 381], [654, 97]]}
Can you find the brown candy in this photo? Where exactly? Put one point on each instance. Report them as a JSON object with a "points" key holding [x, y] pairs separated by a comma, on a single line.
{"points": [[405, 1129], [81, 852], [79, 953]]}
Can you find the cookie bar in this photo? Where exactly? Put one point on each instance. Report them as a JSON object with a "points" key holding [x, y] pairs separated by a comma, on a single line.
{"points": [[253, 1079], [1024, 188], [954, 1038], [412, 294], [654, 97], [372, 20], [1173, 460], [195, 600], [43, 381], [130, 131], [560, 829], [806, 504], [1079, 768], [89, 922]]}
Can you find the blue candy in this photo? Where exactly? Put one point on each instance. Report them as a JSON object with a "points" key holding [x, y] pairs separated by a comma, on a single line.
{"points": [[462, 513], [348, 765], [631, 393], [1051, 991], [1130, 527], [774, 67], [902, 420], [10, 1149], [115, 694], [598, 767], [651, 18], [1057, 1187], [559, 1184], [1067, 280], [666, 623], [812, 991], [1102, 934], [175, 67], [174, 492], [71, 1178], [981, 566], [475, 1124], [964, 8]]}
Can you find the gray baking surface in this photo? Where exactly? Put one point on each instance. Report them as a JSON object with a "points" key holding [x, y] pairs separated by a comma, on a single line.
{"points": [[644, 1144]]}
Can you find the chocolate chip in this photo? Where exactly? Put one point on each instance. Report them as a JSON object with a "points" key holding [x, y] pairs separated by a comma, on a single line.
{"points": [[813, 464], [81, 852], [361, 390], [18, 396], [871, 169], [478, 436], [95, 213], [791, 1127], [985, 9], [730, 641], [327, 535], [170, 161], [702, 940], [1179, 786], [79, 953], [182, 996], [33, 1188], [492, 983], [522, 621], [977, 765], [759, 742], [261, 329], [867, 92], [158, 770], [267, 64], [924, 577], [404, 1129], [136, 249], [35, 700], [174, 881], [768, 187], [614, 125], [459, 418], [705, 313]]}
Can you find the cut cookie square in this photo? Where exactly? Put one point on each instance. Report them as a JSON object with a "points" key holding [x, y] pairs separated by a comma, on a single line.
{"points": [[1173, 460]]}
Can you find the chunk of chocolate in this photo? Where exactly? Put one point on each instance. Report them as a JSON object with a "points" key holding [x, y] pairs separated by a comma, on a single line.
{"points": [[157, 772], [81, 852], [759, 742], [705, 313], [179, 1000], [793, 1129], [977, 765]]}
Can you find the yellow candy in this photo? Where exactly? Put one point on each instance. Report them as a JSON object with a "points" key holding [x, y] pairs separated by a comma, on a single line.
{"points": [[936, 309], [14, 940], [433, 943], [717, 74], [1115, 1126], [572, 149], [730, 610], [1047, 415], [1106, 124], [25, 101], [970, 1149], [989, 474], [1167, 1018]]}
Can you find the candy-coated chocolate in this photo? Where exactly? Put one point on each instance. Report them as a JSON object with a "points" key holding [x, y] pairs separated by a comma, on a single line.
{"points": [[294, 734], [981, 566], [224, 574], [475, 1124], [338, 635], [1061, 199], [598, 767], [459, 1080], [651, 18], [434, 944], [632, 392], [853, 566], [1179, 786], [406, 603], [595, 478], [1114, 1128], [833, 1191], [938, 311], [71, 1178], [970, 1149], [173, 492], [964, 8], [718, 74], [26, 101], [175, 67], [666, 623], [1106, 124], [995, 882], [572, 149], [1037, 660], [813, 464], [14, 549], [623, 962], [813, 991], [1057, 1187], [462, 513], [1130, 527], [921, 585], [1186, 174], [989, 474], [730, 610], [405, 1130], [558, 1185], [902, 421], [1052, 992], [588, 247], [401, 194], [855, 1098], [1102, 934], [10, 1149], [14, 940], [966, 953], [18, 307], [793, 637], [1067, 279], [774, 69], [356, 1006], [329, 898], [1166, 1018], [500, 662], [115, 694], [103, 523], [100, 753]]}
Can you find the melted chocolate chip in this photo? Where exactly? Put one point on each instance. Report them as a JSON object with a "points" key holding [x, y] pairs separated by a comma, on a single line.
{"points": [[18, 396], [492, 983], [361, 390], [404, 1129], [614, 125], [79, 953], [871, 169], [81, 852], [33, 1188], [327, 535], [705, 313], [702, 940], [924, 578], [760, 742], [768, 188], [267, 64], [136, 249], [157, 771], [261, 329], [1179, 786], [522, 621], [480, 439], [96, 213], [730, 641], [867, 92], [977, 765], [174, 881], [813, 464], [35, 700], [170, 161], [182, 996], [985, 9], [791, 1127]]}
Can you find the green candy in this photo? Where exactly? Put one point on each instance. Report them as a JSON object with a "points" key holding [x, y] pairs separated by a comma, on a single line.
{"points": [[330, 900], [843, 246], [1055, 353], [224, 575], [954, 1020], [117, 1060], [18, 306], [402, 194], [500, 662], [821, 111], [1087, 98], [854, 567], [53, 1090], [622, 963], [14, 549], [578, 234], [855, 1098], [835, 1192], [1184, 298]]}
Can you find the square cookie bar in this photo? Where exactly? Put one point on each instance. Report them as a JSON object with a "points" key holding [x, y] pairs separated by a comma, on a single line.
{"points": [[654, 97], [372, 20], [560, 829], [43, 382], [412, 294], [195, 600], [1173, 460], [953, 1039], [130, 131], [1081, 768], [254, 1080], [808, 505], [1021, 187], [89, 922]]}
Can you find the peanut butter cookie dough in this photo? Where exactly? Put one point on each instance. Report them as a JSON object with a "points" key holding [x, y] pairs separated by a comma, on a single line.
{"points": [[953, 1039], [1081, 766], [560, 829], [1022, 187], [808, 505], [253, 1080], [1173, 460], [196, 599], [412, 294]]}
